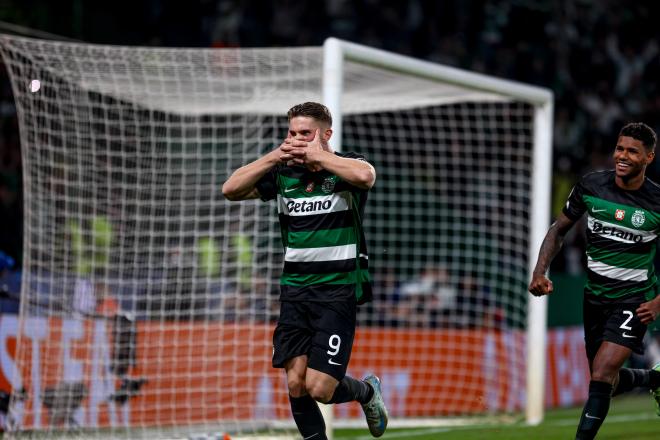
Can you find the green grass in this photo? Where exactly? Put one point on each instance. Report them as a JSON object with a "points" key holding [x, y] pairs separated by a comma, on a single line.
{"points": [[629, 418]]}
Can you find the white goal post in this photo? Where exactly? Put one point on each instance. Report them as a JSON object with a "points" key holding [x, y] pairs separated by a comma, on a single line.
{"points": [[335, 51], [148, 301]]}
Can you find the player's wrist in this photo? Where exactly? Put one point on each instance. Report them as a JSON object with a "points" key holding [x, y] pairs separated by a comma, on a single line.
{"points": [[274, 157], [316, 158]]}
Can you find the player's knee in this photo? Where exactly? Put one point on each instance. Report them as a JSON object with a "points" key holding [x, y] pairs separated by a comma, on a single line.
{"points": [[605, 374], [296, 386], [607, 378], [320, 392]]}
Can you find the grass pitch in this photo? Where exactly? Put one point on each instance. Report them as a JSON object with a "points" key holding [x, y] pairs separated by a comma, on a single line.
{"points": [[629, 418]]}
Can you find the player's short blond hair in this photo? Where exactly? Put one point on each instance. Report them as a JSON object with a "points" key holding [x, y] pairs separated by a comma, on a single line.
{"points": [[311, 110]]}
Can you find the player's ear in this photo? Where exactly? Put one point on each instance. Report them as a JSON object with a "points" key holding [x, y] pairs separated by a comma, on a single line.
{"points": [[327, 134]]}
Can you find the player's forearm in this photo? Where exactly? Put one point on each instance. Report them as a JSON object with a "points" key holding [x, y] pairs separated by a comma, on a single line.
{"points": [[549, 249], [356, 172], [241, 184]]}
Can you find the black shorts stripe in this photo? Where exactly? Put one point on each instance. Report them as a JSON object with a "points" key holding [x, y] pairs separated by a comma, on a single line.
{"points": [[319, 267], [333, 220], [616, 246], [323, 266], [319, 292], [612, 284], [602, 301]]}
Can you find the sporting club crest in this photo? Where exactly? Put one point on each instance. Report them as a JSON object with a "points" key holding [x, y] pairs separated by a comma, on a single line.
{"points": [[619, 214], [328, 185], [638, 218]]}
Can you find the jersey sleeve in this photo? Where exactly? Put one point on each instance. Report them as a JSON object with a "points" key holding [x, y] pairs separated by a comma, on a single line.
{"points": [[343, 185], [353, 155], [575, 205], [267, 185]]}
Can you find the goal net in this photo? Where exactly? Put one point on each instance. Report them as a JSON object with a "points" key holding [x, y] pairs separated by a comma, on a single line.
{"points": [[148, 301]]}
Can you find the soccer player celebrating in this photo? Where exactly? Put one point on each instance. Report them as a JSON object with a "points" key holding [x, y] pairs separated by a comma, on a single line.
{"points": [[620, 297], [321, 197]]}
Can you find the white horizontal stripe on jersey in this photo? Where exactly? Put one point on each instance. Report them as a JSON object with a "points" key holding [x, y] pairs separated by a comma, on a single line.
{"points": [[330, 253], [619, 233], [336, 202], [617, 273]]}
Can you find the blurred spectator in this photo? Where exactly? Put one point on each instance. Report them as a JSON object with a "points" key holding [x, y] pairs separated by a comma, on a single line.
{"points": [[427, 297], [476, 307], [10, 219], [10, 284], [386, 309], [630, 63]]}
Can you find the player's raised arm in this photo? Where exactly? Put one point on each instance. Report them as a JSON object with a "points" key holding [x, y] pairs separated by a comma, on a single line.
{"points": [[241, 184], [540, 284], [359, 173]]}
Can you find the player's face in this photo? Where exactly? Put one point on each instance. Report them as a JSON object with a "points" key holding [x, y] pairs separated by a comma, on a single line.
{"points": [[630, 157], [303, 128]]}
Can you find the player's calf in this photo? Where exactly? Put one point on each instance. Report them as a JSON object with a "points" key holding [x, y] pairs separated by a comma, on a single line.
{"points": [[595, 410]]}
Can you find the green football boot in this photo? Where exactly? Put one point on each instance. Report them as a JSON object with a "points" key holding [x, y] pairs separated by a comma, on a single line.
{"points": [[656, 392]]}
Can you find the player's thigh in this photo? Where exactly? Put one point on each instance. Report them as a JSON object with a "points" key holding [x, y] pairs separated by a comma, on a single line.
{"points": [[332, 342], [293, 334], [608, 361]]}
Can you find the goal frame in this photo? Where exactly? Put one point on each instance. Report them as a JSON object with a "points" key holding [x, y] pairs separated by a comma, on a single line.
{"points": [[335, 51], [335, 54]]}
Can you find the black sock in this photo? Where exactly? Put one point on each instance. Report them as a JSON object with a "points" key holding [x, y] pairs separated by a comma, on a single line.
{"points": [[350, 389], [630, 378], [595, 410], [308, 418]]}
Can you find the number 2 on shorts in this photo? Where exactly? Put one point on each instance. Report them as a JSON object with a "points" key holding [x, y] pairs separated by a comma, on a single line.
{"points": [[630, 316]]}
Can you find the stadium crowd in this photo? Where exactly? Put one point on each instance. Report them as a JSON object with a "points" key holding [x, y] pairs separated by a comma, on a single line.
{"points": [[600, 57]]}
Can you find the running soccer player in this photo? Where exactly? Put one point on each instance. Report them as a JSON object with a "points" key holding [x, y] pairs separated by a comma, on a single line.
{"points": [[621, 294], [321, 197]]}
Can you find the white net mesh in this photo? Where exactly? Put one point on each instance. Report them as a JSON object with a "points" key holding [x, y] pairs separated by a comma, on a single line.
{"points": [[148, 301]]}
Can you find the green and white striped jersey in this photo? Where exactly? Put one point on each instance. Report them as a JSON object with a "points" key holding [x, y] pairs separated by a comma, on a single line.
{"points": [[325, 253], [622, 229]]}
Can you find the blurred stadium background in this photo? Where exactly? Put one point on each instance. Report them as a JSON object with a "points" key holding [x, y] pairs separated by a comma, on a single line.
{"points": [[600, 58]]}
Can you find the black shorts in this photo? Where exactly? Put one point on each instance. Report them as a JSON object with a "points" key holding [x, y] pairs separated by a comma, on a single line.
{"points": [[614, 321], [322, 331]]}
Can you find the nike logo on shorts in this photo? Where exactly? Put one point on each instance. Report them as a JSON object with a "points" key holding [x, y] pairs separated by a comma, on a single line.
{"points": [[331, 362], [626, 335]]}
